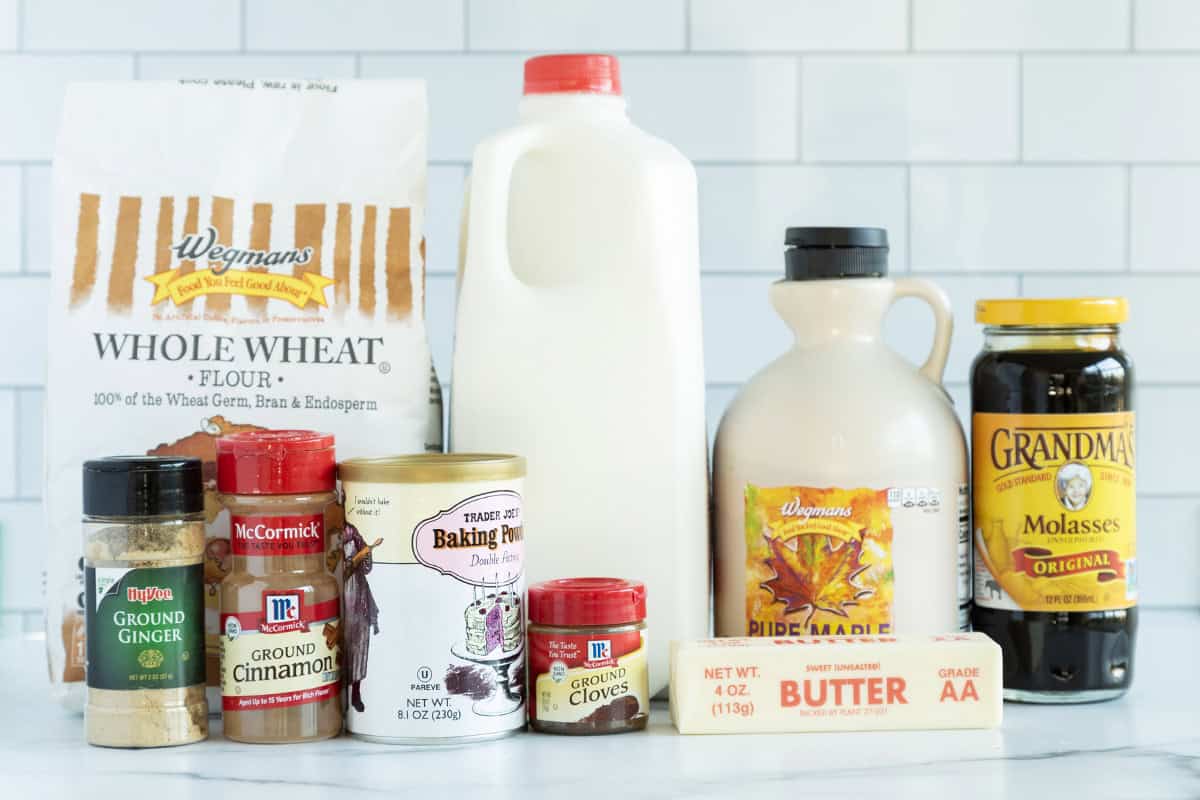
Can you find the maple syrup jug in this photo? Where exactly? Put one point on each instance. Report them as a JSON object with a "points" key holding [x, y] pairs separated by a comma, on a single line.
{"points": [[840, 470]]}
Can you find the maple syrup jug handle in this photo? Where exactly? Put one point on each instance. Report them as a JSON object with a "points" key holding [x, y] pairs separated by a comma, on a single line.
{"points": [[486, 237], [943, 318]]}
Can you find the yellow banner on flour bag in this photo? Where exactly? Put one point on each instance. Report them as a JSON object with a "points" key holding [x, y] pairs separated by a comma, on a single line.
{"points": [[180, 289]]}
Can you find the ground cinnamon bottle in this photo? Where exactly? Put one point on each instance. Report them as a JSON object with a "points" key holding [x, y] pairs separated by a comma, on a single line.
{"points": [[280, 634]]}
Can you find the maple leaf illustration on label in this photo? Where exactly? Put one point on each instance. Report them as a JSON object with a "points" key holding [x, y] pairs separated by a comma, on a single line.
{"points": [[817, 572]]}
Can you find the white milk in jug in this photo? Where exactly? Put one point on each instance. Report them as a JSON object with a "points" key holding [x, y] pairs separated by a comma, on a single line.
{"points": [[840, 470], [578, 342]]}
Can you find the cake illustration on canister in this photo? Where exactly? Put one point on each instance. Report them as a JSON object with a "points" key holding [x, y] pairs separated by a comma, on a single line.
{"points": [[494, 621]]}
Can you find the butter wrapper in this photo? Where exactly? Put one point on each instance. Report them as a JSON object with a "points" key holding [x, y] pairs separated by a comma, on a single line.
{"points": [[838, 683]]}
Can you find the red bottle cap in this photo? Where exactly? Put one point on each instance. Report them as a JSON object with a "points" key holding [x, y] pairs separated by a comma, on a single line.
{"points": [[275, 462], [590, 73], [568, 602]]}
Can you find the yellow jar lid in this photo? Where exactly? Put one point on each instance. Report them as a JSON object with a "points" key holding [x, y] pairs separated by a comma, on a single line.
{"points": [[433, 468], [1053, 312]]}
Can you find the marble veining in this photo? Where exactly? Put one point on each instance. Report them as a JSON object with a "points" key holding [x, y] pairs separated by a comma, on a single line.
{"points": [[1145, 745]]}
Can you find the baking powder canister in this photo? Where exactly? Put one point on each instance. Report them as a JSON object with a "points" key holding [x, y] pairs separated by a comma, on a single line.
{"points": [[433, 561]]}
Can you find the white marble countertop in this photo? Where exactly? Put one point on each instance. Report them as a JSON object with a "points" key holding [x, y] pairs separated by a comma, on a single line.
{"points": [[1146, 745]]}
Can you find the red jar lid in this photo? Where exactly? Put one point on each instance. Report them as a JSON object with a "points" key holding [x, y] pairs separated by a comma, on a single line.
{"points": [[568, 602], [587, 73], [275, 462]]}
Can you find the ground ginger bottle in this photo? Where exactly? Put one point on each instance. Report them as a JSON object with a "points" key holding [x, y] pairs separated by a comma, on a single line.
{"points": [[1054, 528], [281, 675]]}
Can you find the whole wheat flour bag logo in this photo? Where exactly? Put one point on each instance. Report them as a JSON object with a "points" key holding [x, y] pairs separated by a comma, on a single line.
{"points": [[230, 255]]}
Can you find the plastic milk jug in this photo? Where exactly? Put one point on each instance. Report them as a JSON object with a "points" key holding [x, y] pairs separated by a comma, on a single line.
{"points": [[578, 342]]}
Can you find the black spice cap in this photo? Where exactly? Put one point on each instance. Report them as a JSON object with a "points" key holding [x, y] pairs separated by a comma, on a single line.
{"points": [[821, 253], [133, 486]]}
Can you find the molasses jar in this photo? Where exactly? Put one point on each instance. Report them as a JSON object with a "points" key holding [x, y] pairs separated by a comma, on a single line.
{"points": [[1053, 529]]}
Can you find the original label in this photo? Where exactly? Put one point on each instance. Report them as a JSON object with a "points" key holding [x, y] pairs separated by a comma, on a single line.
{"points": [[819, 561], [289, 535], [284, 654], [589, 680], [435, 609], [145, 627], [1054, 511]]}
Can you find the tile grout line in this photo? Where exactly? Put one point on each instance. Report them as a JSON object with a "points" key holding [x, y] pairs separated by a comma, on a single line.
{"points": [[875, 53], [1132, 25], [1129, 218], [799, 109], [137, 66], [1021, 108], [908, 221], [23, 221], [17, 413], [687, 26], [909, 24], [358, 65]]}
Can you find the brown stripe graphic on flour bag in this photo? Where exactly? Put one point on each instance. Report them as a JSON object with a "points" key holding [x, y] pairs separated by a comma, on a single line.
{"points": [[310, 232], [191, 225], [87, 251], [399, 265], [124, 258], [341, 257], [366, 264], [260, 239], [222, 222], [162, 234]]}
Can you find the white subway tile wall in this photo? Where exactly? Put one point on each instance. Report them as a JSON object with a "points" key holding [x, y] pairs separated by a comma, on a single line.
{"points": [[1167, 25], [1009, 146], [1020, 24], [9, 24], [120, 25], [910, 108], [584, 25]]}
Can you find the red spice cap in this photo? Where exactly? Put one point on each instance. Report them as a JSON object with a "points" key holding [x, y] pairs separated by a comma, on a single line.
{"points": [[590, 73], [275, 462], [587, 601]]}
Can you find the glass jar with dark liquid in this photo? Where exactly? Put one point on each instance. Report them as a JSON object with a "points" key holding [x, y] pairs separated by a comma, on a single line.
{"points": [[1054, 528]]}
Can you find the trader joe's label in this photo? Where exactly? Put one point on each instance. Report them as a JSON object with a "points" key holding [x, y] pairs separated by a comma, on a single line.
{"points": [[1055, 528], [819, 561], [145, 627]]}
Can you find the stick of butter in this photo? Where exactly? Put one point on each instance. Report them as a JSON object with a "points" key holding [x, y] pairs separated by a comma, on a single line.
{"points": [[838, 683]]}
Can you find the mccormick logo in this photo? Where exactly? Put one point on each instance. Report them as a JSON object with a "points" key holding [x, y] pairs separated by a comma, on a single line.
{"points": [[599, 652], [283, 612], [148, 594], [277, 533]]}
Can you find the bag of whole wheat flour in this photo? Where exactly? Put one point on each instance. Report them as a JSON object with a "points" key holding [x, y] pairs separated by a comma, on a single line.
{"points": [[229, 255]]}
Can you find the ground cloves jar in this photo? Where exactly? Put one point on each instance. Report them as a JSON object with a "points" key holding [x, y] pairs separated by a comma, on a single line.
{"points": [[587, 656]]}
